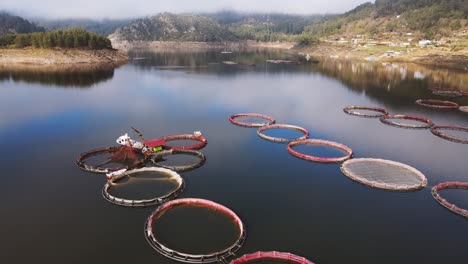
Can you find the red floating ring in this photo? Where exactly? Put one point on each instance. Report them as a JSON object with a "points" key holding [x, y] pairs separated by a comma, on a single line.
{"points": [[200, 145], [350, 111], [450, 185], [144, 202], [233, 120], [442, 89], [271, 255], [319, 142], [284, 126], [448, 93], [435, 131], [82, 165], [191, 258], [180, 168], [464, 108], [439, 104], [427, 122]]}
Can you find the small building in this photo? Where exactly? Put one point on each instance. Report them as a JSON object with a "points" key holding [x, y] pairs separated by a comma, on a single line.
{"points": [[424, 42]]}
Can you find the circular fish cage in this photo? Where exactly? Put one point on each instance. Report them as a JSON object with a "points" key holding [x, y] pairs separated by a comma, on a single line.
{"points": [[144, 202], [354, 110], [425, 123], [164, 153], [200, 138], [234, 120], [220, 256], [100, 168], [438, 104], [450, 185], [282, 126], [318, 142], [436, 130], [464, 108], [447, 93], [273, 255], [384, 174]]}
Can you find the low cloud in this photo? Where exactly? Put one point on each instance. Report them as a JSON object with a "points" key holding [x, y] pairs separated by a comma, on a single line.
{"points": [[137, 8]]}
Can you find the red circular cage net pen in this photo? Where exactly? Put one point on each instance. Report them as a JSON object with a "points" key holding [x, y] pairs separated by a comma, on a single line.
{"points": [[220, 256], [437, 130], [234, 119], [282, 126], [437, 104], [442, 201], [317, 142], [269, 256], [360, 111]]}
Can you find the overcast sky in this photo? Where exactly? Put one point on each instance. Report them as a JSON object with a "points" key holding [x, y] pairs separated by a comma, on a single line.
{"points": [[136, 8]]}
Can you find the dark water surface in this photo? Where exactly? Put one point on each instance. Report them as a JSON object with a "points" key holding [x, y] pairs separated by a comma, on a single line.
{"points": [[52, 212]]}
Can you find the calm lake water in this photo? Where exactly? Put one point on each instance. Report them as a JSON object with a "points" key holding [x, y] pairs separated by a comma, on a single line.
{"points": [[53, 212]]}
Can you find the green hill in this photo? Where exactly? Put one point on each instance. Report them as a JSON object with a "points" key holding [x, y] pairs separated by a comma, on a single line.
{"points": [[103, 27], [10, 24], [430, 18], [171, 27]]}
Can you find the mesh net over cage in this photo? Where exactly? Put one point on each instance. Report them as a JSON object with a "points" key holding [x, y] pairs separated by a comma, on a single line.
{"points": [[384, 174], [167, 175], [463, 108]]}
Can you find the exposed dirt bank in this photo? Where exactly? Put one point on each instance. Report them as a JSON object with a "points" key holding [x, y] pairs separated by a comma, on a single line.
{"points": [[30, 56]]}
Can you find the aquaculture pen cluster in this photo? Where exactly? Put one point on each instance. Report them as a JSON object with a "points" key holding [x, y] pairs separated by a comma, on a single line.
{"points": [[367, 172], [134, 158], [376, 173]]}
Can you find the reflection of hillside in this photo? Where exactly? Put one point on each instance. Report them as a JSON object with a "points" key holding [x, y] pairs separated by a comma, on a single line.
{"points": [[398, 83], [210, 61], [63, 76]]}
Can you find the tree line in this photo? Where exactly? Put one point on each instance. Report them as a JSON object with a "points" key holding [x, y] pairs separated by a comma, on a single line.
{"points": [[72, 38]]}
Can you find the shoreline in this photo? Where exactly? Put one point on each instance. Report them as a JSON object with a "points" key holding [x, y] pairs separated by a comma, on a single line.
{"points": [[432, 57], [428, 56], [61, 57]]}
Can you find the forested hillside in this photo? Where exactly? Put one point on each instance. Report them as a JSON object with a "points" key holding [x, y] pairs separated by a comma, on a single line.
{"points": [[10, 24], [103, 27], [166, 26], [429, 17]]}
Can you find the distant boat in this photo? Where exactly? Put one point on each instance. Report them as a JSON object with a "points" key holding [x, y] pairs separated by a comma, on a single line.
{"points": [[226, 52], [140, 58]]}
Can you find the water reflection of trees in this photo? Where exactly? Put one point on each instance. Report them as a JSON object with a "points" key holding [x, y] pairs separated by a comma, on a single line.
{"points": [[209, 61], [398, 83], [63, 76]]}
